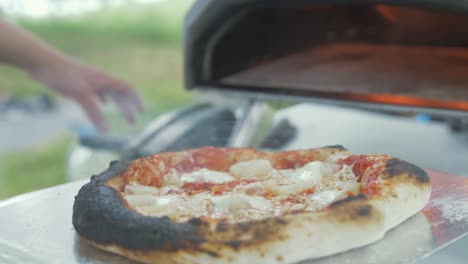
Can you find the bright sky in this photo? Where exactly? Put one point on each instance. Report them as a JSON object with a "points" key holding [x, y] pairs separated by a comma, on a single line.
{"points": [[40, 8]]}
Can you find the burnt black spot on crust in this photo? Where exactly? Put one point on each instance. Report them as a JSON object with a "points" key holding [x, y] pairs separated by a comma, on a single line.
{"points": [[262, 230], [100, 215], [252, 234], [211, 253], [235, 244], [354, 209], [281, 221], [348, 200], [222, 227], [245, 227], [197, 221], [364, 211], [114, 163], [396, 167], [340, 147]]}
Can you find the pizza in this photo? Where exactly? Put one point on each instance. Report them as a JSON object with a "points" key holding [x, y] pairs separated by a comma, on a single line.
{"points": [[240, 205]]}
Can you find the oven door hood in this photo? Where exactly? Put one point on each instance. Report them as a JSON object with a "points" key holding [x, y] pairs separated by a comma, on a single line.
{"points": [[396, 53]]}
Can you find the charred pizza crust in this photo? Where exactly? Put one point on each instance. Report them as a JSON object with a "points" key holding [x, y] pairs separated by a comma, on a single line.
{"points": [[103, 218]]}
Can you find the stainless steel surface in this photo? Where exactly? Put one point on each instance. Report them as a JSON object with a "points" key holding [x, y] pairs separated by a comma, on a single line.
{"points": [[323, 122], [252, 113], [428, 145], [290, 97], [37, 228]]}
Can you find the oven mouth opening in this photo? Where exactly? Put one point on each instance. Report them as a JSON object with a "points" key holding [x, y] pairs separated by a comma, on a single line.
{"points": [[348, 52]]}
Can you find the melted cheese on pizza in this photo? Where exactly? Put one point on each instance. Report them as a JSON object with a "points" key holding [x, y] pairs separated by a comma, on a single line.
{"points": [[250, 190]]}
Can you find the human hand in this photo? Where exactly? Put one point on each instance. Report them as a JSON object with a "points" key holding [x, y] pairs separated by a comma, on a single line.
{"points": [[87, 86]]}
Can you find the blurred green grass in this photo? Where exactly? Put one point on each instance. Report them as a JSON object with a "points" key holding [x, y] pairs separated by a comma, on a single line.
{"points": [[138, 43], [152, 22], [33, 169]]}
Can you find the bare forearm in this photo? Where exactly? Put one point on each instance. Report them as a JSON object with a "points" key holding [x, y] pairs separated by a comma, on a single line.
{"points": [[65, 74], [21, 49]]}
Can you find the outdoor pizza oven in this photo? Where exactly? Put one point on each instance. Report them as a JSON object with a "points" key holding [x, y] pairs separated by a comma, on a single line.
{"points": [[402, 60], [397, 55]]}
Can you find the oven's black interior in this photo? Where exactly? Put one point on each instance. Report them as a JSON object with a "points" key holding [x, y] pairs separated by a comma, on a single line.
{"points": [[264, 34]]}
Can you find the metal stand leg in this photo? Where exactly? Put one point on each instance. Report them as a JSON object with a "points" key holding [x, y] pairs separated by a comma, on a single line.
{"points": [[250, 118]]}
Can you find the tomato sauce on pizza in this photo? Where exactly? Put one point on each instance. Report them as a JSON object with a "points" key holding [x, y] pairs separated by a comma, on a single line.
{"points": [[252, 186]]}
